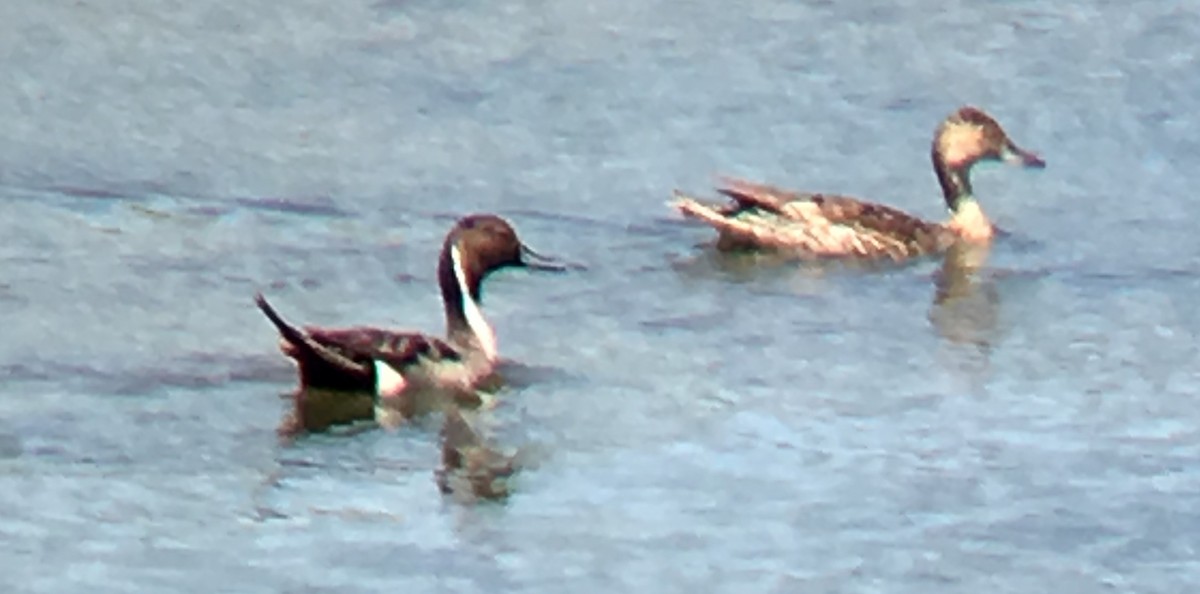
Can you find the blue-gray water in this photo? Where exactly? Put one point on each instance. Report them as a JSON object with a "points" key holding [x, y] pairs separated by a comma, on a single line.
{"points": [[701, 423]]}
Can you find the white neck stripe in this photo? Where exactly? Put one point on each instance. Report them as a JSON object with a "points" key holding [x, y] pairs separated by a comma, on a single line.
{"points": [[475, 321]]}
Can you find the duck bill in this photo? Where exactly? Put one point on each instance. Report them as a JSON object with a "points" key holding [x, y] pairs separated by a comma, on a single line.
{"points": [[1015, 155], [535, 261]]}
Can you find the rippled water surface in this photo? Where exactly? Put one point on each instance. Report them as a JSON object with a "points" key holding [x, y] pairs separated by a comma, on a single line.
{"points": [[699, 422]]}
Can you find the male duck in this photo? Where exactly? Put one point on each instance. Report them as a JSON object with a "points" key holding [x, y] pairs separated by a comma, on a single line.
{"points": [[821, 225], [398, 365]]}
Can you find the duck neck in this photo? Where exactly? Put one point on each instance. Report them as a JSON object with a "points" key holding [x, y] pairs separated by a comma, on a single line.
{"points": [[967, 219], [460, 284], [956, 183]]}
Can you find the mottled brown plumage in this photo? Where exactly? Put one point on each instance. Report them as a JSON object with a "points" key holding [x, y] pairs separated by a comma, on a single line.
{"points": [[821, 225]]}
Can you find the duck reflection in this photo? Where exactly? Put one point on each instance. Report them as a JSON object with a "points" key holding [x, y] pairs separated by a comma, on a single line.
{"points": [[966, 303], [807, 273], [318, 410], [472, 469]]}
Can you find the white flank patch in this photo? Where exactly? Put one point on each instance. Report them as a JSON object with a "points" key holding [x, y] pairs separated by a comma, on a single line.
{"points": [[388, 382], [475, 320]]}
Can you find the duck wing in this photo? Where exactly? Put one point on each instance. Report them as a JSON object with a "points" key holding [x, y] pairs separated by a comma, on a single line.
{"points": [[747, 195], [899, 234]]}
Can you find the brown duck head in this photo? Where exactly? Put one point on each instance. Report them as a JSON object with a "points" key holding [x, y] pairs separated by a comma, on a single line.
{"points": [[477, 246], [969, 136]]}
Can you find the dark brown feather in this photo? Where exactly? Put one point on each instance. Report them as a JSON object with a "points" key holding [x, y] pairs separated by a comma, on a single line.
{"points": [[748, 194], [398, 349], [342, 359]]}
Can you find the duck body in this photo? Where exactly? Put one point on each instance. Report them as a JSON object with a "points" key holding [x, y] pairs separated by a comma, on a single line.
{"points": [[343, 359], [815, 225], [404, 369]]}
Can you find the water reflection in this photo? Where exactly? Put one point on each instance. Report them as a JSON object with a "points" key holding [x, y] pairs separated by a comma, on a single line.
{"points": [[966, 305], [748, 266], [315, 410], [708, 262], [471, 469]]}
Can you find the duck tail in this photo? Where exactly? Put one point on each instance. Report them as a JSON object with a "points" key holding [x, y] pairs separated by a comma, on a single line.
{"points": [[752, 195], [735, 232], [692, 207], [292, 335], [299, 345]]}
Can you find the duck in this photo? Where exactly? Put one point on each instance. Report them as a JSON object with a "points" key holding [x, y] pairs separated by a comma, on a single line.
{"points": [[397, 368], [814, 225]]}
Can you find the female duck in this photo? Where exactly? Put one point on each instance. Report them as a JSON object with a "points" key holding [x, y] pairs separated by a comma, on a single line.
{"points": [[820, 225], [396, 366]]}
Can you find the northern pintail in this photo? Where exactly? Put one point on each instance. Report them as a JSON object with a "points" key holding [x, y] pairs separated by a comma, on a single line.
{"points": [[822, 225], [399, 366]]}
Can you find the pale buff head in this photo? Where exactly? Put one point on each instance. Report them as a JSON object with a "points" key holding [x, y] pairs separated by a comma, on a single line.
{"points": [[969, 135]]}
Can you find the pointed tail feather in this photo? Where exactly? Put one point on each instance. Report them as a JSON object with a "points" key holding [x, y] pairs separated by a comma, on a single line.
{"points": [[735, 232], [305, 347], [691, 207], [749, 194], [289, 332]]}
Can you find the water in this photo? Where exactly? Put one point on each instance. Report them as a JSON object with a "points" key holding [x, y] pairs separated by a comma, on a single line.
{"points": [[700, 423]]}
